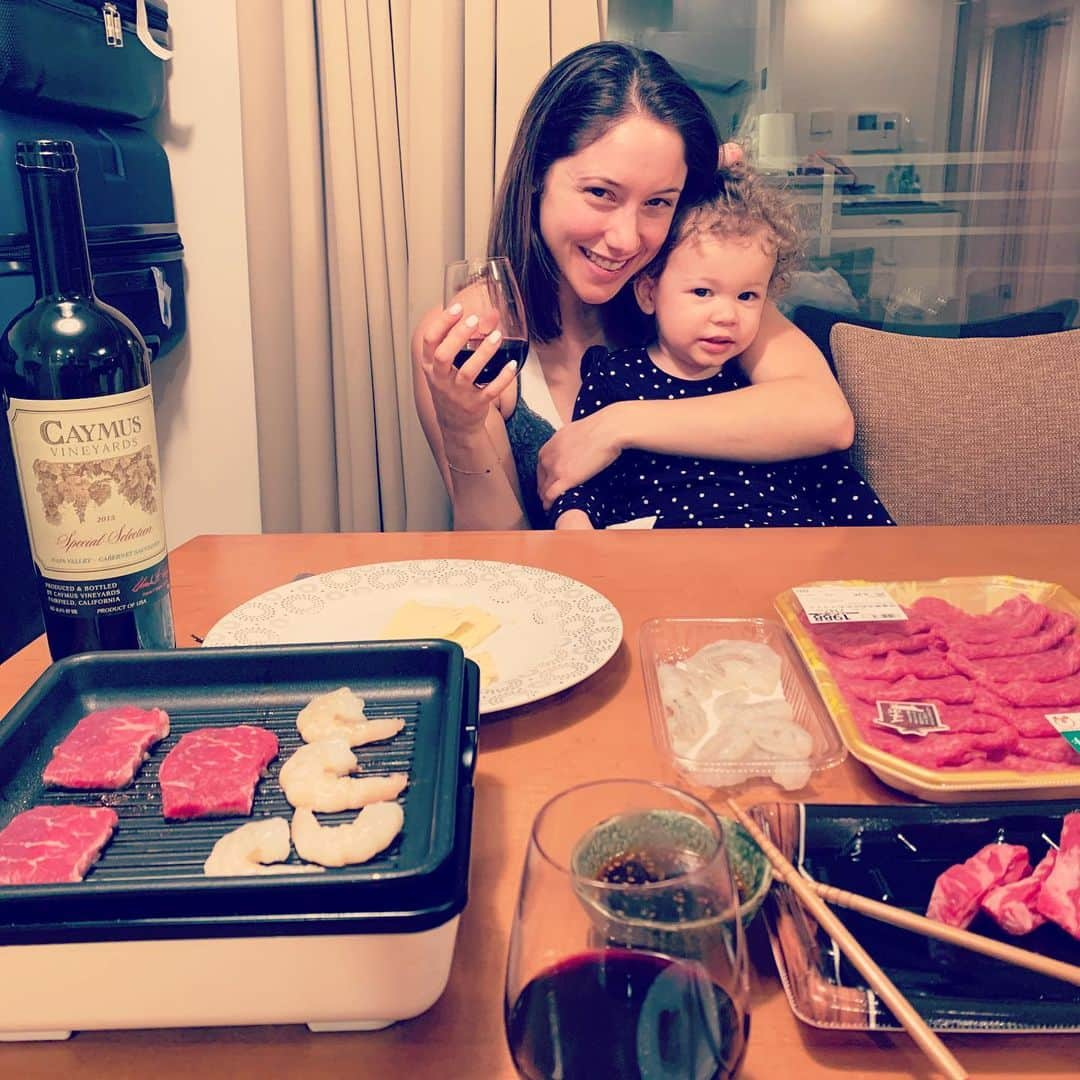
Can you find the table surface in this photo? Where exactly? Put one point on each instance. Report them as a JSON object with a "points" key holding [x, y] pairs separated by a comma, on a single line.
{"points": [[599, 728]]}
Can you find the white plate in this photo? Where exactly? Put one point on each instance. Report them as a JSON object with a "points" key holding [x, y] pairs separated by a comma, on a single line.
{"points": [[554, 631]]}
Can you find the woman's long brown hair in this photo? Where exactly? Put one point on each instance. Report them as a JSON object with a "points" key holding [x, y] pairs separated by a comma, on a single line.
{"points": [[578, 101]]}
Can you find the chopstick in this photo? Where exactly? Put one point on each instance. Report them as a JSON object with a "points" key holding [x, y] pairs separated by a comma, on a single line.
{"points": [[999, 950], [937, 1052]]}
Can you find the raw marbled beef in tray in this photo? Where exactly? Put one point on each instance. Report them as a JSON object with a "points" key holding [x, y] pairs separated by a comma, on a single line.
{"points": [[993, 678]]}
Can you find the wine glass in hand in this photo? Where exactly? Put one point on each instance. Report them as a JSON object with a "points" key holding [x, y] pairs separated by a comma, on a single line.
{"points": [[627, 958], [487, 290]]}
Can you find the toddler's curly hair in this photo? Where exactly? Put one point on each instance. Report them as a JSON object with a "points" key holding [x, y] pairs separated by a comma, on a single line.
{"points": [[738, 203]]}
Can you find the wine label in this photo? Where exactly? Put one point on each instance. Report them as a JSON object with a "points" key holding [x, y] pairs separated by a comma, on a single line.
{"points": [[90, 484]]}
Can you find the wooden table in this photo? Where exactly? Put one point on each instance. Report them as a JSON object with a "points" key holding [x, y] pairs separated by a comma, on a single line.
{"points": [[597, 729]]}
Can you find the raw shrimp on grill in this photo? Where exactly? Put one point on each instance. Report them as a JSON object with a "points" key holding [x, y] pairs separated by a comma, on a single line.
{"points": [[248, 849], [317, 777], [372, 831], [339, 714]]}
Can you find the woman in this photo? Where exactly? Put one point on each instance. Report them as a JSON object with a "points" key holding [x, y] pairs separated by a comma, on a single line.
{"points": [[611, 140]]}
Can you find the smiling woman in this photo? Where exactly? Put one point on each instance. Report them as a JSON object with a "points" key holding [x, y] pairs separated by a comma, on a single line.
{"points": [[601, 230], [609, 144]]}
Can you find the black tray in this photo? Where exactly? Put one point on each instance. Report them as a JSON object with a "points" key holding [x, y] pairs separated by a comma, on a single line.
{"points": [[149, 880], [895, 853]]}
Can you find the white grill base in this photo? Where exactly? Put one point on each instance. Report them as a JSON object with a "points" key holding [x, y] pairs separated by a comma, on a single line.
{"points": [[331, 982]]}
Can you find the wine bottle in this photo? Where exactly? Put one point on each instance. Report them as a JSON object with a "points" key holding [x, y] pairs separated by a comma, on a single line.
{"points": [[75, 376]]}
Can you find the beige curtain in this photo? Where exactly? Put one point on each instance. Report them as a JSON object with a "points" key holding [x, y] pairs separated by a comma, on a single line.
{"points": [[374, 135]]}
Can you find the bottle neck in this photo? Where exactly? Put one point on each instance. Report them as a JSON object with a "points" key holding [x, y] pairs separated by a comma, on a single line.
{"points": [[57, 233]]}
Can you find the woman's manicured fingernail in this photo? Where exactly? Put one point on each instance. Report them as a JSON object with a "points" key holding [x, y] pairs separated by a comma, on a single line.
{"points": [[454, 309], [471, 321], [495, 337]]}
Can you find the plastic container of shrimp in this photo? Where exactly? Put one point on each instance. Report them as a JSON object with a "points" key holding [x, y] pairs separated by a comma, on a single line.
{"points": [[730, 701]]}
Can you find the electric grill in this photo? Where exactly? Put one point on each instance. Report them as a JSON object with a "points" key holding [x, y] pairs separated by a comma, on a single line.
{"points": [[146, 940]]}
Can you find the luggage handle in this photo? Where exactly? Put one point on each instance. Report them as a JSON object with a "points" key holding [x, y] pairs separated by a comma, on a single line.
{"points": [[152, 277], [142, 31]]}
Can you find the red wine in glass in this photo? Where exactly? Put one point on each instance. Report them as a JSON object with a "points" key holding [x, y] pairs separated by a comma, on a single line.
{"points": [[625, 1014], [485, 289], [510, 350]]}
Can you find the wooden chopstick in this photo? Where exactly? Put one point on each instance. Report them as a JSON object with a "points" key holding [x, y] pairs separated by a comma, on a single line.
{"points": [[999, 950], [937, 1052]]}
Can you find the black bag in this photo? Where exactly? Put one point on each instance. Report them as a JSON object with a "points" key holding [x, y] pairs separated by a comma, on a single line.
{"points": [[136, 257], [136, 254], [83, 57]]}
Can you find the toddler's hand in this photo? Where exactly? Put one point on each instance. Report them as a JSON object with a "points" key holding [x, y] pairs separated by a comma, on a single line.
{"points": [[574, 519]]}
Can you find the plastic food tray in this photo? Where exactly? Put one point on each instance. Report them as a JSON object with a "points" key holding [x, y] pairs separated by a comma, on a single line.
{"points": [[976, 595], [895, 853], [668, 640], [353, 947]]}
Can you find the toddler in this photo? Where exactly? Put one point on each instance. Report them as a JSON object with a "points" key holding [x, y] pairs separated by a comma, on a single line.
{"points": [[726, 256]]}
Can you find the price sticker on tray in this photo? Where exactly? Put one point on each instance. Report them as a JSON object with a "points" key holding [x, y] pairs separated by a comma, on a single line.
{"points": [[848, 603], [1068, 725]]}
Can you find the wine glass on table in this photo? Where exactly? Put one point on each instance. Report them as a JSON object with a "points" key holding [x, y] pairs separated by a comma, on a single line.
{"points": [[627, 959], [486, 288]]}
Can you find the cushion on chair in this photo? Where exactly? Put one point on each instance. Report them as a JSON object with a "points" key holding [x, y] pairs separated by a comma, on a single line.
{"points": [[817, 323], [965, 431]]}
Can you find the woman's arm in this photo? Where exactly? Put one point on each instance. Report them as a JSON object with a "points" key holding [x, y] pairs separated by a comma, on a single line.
{"points": [[794, 409], [463, 426]]}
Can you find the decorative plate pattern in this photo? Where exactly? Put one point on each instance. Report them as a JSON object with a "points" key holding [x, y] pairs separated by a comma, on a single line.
{"points": [[553, 631]]}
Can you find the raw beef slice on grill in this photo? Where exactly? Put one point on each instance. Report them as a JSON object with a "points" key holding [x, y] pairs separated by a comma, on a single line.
{"points": [[51, 844], [959, 891], [106, 748], [212, 772]]}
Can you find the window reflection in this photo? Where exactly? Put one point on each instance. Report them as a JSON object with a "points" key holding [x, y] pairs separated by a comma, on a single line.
{"points": [[928, 142]]}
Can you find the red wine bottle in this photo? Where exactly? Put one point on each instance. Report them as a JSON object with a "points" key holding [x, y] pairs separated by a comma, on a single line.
{"points": [[75, 375]]}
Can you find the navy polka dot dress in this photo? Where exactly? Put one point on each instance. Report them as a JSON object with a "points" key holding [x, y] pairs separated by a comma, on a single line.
{"points": [[686, 492]]}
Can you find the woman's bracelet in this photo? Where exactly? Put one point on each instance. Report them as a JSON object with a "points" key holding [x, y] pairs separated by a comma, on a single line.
{"points": [[470, 472], [487, 471]]}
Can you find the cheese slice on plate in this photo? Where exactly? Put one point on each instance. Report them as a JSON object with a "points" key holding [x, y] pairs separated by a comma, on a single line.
{"points": [[416, 620], [468, 626], [476, 626]]}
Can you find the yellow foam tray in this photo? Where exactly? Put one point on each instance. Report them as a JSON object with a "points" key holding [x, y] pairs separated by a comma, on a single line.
{"points": [[977, 596]]}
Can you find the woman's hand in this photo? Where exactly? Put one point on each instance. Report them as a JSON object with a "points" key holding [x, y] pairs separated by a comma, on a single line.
{"points": [[461, 406], [577, 452]]}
